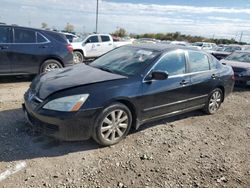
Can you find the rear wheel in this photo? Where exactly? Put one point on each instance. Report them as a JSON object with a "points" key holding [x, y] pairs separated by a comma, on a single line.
{"points": [[113, 124], [214, 101], [78, 57], [50, 65]]}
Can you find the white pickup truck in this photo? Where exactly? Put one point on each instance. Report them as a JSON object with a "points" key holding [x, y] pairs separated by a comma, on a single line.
{"points": [[94, 45]]}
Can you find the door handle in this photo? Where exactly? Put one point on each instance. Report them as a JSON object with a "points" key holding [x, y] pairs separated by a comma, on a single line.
{"points": [[3, 47], [43, 46], [214, 76], [110, 44], [98, 45], [184, 82]]}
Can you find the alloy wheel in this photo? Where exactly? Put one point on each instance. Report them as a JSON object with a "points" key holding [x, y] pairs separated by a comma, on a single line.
{"points": [[215, 101], [114, 125], [51, 66]]}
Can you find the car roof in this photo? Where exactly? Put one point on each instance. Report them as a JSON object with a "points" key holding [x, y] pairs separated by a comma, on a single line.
{"points": [[163, 47]]}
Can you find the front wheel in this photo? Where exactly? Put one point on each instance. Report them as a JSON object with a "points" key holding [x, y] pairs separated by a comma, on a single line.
{"points": [[113, 124], [78, 57], [214, 101]]}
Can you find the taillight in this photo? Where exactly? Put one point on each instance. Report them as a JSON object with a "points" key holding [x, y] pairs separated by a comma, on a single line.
{"points": [[70, 48], [233, 77]]}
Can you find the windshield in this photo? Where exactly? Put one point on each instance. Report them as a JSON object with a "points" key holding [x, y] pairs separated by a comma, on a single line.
{"points": [[81, 38], [125, 60], [239, 56]]}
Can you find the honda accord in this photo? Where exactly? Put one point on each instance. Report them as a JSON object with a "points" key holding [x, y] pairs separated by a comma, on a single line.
{"points": [[124, 89]]}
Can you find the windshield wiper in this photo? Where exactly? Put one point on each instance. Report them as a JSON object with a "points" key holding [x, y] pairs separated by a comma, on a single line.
{"points": [[105, 69]]}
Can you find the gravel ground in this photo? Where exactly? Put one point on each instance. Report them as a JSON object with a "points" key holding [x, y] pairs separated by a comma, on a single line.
{"points": [[191, 150]]}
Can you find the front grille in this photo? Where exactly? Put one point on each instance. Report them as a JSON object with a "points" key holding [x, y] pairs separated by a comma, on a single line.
{"points": [[49, 128]]}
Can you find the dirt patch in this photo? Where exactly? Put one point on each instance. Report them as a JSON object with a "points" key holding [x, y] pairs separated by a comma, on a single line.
{"points": [[191, 150]]}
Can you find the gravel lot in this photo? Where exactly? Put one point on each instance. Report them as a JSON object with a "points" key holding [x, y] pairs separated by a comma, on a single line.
{"points": [[191, 150]]}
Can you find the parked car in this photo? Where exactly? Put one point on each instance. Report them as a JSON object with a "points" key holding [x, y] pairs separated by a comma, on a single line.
{"points": [[126, 88], [240, 61], [94, 45], [31, 51], [204, 45], [71, 37], [223, 52]]}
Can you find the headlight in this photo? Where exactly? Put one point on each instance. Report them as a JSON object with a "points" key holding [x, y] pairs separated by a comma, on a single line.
{"points": [[67, 104], [245, 73]]}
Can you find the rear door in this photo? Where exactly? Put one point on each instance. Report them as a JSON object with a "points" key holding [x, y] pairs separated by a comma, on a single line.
{"points": [[204, 77], [25, 51], [5, 47], [107, 44], [93, 46]]}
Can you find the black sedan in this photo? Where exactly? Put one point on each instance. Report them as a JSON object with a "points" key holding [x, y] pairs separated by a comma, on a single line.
{"points": [[240, 62], [125, 88]]}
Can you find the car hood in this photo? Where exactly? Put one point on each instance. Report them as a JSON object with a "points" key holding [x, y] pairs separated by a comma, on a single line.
{"points": [[66, 78], [236, 64]]}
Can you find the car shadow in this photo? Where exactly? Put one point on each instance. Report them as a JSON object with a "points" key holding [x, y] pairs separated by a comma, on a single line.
{"points": [[16, 79], [19, 142]]}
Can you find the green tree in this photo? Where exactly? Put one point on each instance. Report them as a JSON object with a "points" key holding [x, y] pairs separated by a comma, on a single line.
{"points": [[44, 25], [69, 28], [120, 32]]}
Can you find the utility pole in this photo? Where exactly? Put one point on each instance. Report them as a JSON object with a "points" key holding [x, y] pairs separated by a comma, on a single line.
{"points": [[97, 12], [241, 35]]}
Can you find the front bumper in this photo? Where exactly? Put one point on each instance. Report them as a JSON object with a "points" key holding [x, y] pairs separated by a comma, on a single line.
{"points": [[61, 125]]}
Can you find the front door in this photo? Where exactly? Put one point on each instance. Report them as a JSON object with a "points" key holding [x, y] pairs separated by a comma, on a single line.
{"points": [[5, 47], [93, 47], [161, 97]]}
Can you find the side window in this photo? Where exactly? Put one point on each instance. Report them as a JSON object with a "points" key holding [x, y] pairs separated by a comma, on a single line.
{"points": [[40, 38], [24, 36], [5, 35], [174, 63], [105, 38], [213, 63], [198, 61], [93, 39]]}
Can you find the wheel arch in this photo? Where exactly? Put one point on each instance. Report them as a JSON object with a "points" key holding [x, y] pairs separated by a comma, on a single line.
{"points": [[79, 50], [222, 88]]}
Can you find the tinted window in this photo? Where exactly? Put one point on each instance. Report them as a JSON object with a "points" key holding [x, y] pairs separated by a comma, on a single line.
{"points": [[174, 63], [198, 62], [93, 39], [24, 36], [5, 35], [105, 38], [40, 38], [57, 36]]}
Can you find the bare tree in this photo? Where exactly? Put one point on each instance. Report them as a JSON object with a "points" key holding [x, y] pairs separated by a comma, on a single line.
{"points": [[44, 25], [69, 27]]}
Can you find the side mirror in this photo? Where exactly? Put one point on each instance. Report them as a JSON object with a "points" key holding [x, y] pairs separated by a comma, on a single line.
{"points": [[158, 75]]}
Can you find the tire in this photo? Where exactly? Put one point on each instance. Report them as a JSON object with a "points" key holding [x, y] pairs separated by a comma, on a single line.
{"points": [[50, 65], [78, 57], [113, 124], [214, 101]]}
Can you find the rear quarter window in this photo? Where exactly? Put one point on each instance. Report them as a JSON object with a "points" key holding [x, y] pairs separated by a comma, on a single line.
{"points": [[58, 37]]}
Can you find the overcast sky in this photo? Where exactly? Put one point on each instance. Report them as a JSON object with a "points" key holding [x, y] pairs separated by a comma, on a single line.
{"points": [[219, 18]]}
